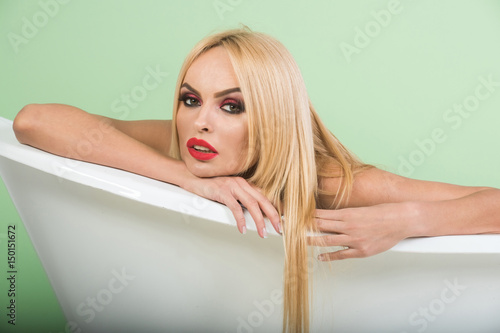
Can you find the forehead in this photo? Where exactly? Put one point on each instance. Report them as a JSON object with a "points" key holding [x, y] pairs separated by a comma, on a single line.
{"points": [[212, 71]]}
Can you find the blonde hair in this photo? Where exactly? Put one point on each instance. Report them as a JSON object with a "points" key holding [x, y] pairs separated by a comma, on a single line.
{"points": [[291, 144]]}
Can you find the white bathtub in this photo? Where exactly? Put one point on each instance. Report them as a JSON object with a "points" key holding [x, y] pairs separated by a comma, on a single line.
{"points": [[125, 253]]}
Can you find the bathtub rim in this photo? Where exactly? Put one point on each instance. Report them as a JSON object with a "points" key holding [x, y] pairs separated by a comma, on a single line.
{"points": [[148, 191]]}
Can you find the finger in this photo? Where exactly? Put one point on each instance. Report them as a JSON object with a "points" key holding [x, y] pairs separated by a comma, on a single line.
{"points": [[338, 255], [328, 240], [330, 226], [237, 211], [268, 208], [329, 214], [253, 207]]}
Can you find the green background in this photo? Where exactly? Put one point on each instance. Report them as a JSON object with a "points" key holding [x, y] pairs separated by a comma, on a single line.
{"points": [[408, 70]]}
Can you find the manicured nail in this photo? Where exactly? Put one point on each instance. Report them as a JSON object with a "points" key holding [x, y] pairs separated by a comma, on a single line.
{"points": [[279, 228], [244, 230], [264, 233]]}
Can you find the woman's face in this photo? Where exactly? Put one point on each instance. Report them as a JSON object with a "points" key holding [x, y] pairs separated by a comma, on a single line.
{"points": [[211, 120]]}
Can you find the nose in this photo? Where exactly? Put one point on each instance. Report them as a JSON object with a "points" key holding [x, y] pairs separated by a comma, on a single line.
{"points": [[205, 119]]}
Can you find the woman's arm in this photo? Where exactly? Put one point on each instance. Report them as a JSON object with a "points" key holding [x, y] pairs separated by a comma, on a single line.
{"points": [[386, 208], [71, 132], [140, 147]]}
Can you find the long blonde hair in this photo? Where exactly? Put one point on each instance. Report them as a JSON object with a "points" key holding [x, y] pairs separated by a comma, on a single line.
{"points": [[291, 145]]}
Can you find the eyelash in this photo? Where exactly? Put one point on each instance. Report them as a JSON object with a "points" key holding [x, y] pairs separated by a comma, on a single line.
{"points": [[189, 100], [186, 97], [232, 103]]}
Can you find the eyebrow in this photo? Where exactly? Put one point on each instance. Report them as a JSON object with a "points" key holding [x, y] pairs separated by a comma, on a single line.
{"points": [[227, 91], [217, 94]]}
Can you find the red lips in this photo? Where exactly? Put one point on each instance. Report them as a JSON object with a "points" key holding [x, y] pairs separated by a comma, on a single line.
{"points": [[203, 151]]}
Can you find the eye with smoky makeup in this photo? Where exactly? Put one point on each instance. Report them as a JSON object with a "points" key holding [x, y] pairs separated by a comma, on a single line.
{"points": [[229, 105]]}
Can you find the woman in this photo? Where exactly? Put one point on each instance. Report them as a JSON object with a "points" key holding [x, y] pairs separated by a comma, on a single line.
{"points": [[244, 132]]}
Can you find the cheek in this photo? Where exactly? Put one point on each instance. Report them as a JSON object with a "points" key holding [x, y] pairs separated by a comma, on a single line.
{"points": [[234, 162], [243, 143], [238, 136], [178, 121], [240, 144], [181, 123]]}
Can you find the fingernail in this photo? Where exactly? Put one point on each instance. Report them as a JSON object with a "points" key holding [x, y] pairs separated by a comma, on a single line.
{"points": [[279, 228], [244, 230], [264, 232]]}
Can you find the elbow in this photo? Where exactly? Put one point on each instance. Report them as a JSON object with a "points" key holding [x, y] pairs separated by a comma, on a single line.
{"points": [[25, 122]]}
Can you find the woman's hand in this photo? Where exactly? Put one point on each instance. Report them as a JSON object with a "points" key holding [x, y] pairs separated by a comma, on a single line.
{"points": [[235, 192], [365, 231]]}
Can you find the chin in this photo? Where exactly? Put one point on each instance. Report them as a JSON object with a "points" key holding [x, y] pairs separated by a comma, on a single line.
{"points": [[210, 168], [205, 171]]}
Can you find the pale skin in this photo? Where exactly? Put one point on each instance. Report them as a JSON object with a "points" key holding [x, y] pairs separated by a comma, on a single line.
{"points": [[384, 208]]}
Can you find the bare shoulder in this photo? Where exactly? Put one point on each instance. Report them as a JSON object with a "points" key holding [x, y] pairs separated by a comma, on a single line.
{"points": [[365, 188], [154, 133]]}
